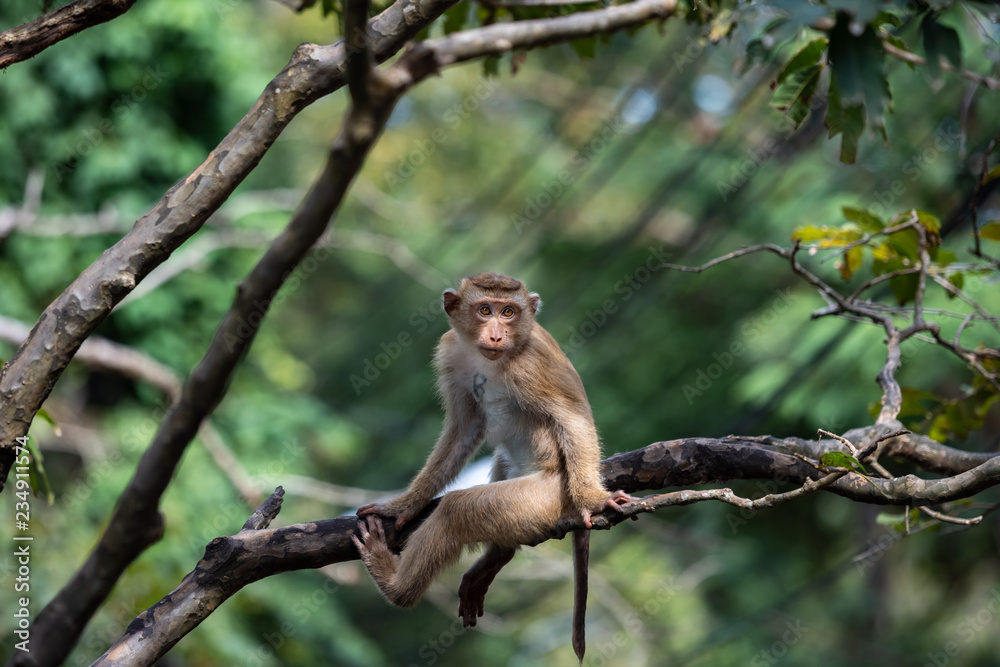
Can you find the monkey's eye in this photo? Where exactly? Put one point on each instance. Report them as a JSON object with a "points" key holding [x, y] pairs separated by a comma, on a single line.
{"points": [[484, 310], [507, 312]]}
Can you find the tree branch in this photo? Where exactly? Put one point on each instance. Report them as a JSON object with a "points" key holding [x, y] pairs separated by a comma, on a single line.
{"points": [[313, 72], [914, 59], [32, 38], [136, 522], [233, 562]]}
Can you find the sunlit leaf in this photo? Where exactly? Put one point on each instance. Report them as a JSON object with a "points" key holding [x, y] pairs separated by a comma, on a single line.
{"points": [[810, 233], [868, 221], [929, 221], [850, 262], [990, 230], [721, 25]]}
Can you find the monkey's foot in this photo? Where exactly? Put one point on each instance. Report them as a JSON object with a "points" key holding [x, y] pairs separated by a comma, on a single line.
{"points": [[375, 552], [472, 596], [477, 580]]}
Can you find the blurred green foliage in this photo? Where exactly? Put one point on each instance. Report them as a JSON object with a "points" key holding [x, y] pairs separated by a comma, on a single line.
{"points": [[581, 176]]}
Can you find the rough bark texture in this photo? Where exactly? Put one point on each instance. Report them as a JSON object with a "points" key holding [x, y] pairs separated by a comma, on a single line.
{"points": [[231, 563]]}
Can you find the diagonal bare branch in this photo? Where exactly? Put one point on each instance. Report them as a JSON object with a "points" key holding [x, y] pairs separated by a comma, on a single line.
{"points": [[313, 72], [61, 621], [30, 39]]}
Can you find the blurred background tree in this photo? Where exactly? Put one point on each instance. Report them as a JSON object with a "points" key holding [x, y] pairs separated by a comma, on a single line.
{"points": [[580, 169]]}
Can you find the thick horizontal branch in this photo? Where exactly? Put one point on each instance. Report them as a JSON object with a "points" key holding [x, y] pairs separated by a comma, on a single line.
{"points": [[32, 38], [236, 561]]}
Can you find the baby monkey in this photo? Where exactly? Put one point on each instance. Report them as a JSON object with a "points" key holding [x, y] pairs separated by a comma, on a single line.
{"points": [[501, 378]]}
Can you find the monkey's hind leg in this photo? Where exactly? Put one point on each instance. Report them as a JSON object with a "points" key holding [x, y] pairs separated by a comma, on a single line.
{"points": [[375, 553], [475, 583]]}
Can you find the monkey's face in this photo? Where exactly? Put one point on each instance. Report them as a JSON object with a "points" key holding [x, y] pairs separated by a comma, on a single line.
{"points": [[496, 325], [495, 313]]}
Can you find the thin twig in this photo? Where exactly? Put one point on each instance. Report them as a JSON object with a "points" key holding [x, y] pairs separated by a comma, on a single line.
{"points": [[914, 59]]}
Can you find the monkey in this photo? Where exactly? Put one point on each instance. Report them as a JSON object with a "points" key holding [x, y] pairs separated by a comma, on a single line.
{"points": [[502, 378]]}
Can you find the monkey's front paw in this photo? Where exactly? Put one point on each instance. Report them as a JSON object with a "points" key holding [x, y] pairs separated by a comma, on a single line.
{"points": [[377, 509], [372, 547], [388, 511]]}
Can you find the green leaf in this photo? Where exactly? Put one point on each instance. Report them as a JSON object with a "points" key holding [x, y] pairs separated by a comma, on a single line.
{"points": [[912, 406], [850, 262], [810, 233], [990, 230], [847, 121], [958, 280], [793, 96], [491, 66], [889, 18], [455, 18], [586, 47], [942, 257], [858, 64], [930, 222], [46, 417], [807, 56], [904, 287], [868, 221], [37, 475], [721, 25], [991, 174], [842, 460], [907, 246], [939, 40]]}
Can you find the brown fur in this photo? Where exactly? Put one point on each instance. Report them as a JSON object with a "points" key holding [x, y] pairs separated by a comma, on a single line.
{"points": [[501, 377]]}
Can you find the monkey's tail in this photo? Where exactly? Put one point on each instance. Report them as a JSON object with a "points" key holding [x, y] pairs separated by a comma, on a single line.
{"points": [[581, 564]]}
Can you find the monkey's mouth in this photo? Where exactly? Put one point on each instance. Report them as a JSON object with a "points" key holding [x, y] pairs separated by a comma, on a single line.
{"points": [[491, 353]]}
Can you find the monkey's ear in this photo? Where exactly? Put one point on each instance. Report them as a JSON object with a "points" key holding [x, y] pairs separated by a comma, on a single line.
{"points": [[451, 300], [534, 302]]}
